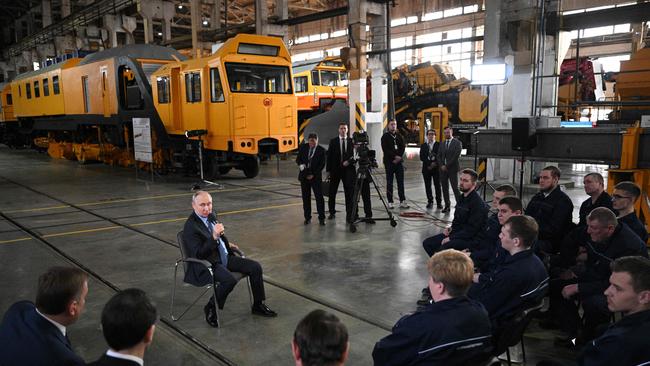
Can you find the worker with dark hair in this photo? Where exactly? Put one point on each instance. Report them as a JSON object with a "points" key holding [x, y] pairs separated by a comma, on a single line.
{"points": [[623, 199], [311, 161], [625, 342], [393, 146], [452, 330], [552, 209], [36, 334], [431, 168], [128, 323], [320, 339], [594, 185], [340, 168]]}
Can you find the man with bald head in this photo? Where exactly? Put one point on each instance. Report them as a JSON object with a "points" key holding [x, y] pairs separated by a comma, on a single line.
{"points": [[204, 238]]}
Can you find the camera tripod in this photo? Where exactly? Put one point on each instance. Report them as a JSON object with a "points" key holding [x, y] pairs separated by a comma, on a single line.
{"points": [[364, 176]]}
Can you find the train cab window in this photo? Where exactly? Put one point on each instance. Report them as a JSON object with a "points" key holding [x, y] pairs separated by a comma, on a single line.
{"points": [[315, 78], [216, 90], [130, 96], [46, 87], [162, 84], [344, 78], [20, 91], [37, 91], [193, 87], [254, 78], [301, 84], [10, 100], [55, 84], [86, 92], [28, 90], [329, 78]]}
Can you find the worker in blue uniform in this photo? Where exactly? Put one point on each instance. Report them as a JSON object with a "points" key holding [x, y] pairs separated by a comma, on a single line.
{"points": [[520, 281], [453, 330]]}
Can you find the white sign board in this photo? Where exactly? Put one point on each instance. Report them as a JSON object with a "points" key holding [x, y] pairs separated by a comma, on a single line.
{"points": [[142, 140]]}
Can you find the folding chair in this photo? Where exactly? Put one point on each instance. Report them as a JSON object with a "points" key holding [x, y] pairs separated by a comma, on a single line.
{"points": [[511, 332], [185, 259]]}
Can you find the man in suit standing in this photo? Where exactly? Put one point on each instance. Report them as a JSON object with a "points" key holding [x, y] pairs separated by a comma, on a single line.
{"points": [[448, 155], [311, 160], [393, 146], [36, 334], [128, 324], [204, 238], [430, 169], [340, 153]]}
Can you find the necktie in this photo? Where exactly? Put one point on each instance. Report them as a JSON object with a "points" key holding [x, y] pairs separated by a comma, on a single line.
{"points": [[311, 153], [223, 253], [342, 148], [447, 147]]}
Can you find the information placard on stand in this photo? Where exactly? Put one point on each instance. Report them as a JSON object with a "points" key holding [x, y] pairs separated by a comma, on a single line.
{"points": [[142, 143]]}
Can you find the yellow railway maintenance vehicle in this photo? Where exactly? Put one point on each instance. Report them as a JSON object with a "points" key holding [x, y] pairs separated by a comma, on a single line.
{"points": [[8, 124], [242, 95], [319, 83]]}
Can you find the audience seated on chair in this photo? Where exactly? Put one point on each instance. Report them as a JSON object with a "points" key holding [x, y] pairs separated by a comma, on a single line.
{"points": [[453, 330], [520, 281], [625, 342], [609, 240], [552, 209], [504, 190], [128, 324], [320, 339], [37, 334], [624, 196]]}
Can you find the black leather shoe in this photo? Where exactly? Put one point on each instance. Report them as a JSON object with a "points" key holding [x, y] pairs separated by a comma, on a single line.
{"points": [[331, 216], [369, 220], [430, 205], [446, 209], [263, 310], [439, 206], [307, 221], [211, 315], [321, 221]]}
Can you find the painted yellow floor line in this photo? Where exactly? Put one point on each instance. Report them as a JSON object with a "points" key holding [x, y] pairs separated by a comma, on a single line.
{"points": [[141, 198], [106, 228]]}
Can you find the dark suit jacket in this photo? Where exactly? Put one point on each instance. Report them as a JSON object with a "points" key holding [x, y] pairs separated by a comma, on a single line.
{"points": [[388, 143], [334, 162], [315, 166], [112, 361], [199, 243], [26, 338], [452, 154], [426, 159]]}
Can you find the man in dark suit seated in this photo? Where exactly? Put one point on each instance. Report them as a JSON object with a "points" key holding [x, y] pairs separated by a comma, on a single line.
{"points": [[624, 196], [128, 324], [204, 237], [520, 281], [36, 334], [320, 339], [430, 168], [470, 216], [609, 241], [453, 330], [625, 342], [340, 168], [311, 161], [552, 209]]}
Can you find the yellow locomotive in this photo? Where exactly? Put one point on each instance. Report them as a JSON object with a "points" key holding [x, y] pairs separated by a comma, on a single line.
{"points": [[84, 109]]}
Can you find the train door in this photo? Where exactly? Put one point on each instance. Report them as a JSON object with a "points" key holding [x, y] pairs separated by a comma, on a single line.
{"points": [[176, 113], [105, 94]]}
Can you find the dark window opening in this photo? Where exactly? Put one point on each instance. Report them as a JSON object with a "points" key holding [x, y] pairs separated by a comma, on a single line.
{"points": [[301, 84], [162, 84], [193, 87], [216, 90], [46, 87], [55, 84]]}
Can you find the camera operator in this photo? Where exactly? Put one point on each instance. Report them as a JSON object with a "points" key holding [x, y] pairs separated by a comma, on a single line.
{"points": [[393, 146], [365, 158]]}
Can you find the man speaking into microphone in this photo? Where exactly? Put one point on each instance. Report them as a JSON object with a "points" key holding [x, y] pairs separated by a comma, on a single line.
{"points": [[205, 239]]}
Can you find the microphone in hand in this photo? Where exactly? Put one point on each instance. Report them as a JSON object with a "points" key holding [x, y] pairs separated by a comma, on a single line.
{"points": [[212, 218]]}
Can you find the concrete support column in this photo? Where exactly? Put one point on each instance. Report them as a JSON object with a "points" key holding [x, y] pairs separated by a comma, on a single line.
{"points": [[215, 15], [111, 24], [65, 8], [19, 29], [168, 11], [262, 25], [195, 13], [46, 12], [129, 24], [638, 31]]}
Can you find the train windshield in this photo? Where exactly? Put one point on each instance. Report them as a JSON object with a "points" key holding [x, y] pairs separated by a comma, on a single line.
{"points": [[329, 78], [252, 78]]}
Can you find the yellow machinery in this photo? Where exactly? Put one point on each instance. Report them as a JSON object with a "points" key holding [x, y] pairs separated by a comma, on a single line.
{"points": [[633, 87], [242, 95]]}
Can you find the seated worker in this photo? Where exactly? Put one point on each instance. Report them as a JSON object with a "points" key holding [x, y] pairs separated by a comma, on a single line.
{"points": [[625, 342], [501, 191], [594, 185], [320, 339], [609, 241], [470, 216], [204, 237], [128, 323], [485, 250], [520, 281], [453, 330], [624, 196], [552, 209], [37, 334]]}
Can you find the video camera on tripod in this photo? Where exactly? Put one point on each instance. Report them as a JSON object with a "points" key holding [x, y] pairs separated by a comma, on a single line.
{"points": [[366, 157]]}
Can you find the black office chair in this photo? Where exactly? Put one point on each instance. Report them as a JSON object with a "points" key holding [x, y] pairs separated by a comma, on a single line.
{"points": [[511, 331], [206, 286]]}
